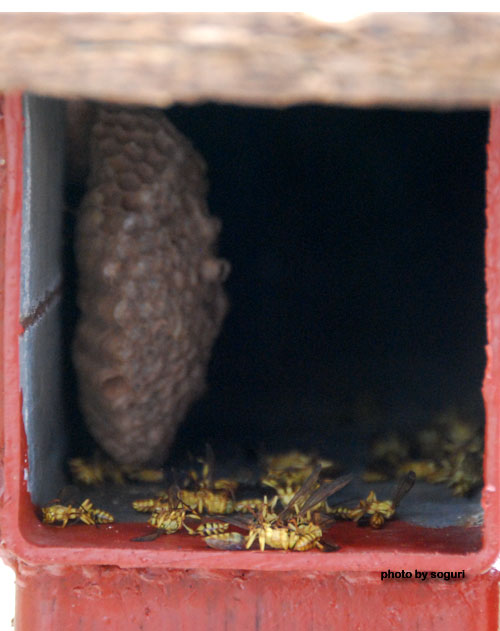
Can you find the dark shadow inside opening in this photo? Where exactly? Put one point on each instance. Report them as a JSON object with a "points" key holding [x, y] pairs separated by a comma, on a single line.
{"points": [[356, 239]]}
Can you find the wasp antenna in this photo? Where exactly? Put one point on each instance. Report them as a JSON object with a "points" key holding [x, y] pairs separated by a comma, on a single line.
{"points": [[173, 493], [175, 475], [210, 462]]}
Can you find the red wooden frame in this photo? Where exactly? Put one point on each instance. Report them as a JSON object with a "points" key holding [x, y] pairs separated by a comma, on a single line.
{"points": [[109, 598], [31, 543]]}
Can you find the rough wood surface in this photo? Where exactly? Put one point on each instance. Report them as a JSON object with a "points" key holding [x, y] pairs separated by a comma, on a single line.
{"points": [[441, 59]]}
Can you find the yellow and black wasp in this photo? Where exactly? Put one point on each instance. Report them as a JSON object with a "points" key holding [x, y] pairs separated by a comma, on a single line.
{"points": [[376, 512], [58, 514], [296, 527], [209, 495], [170, 514]]}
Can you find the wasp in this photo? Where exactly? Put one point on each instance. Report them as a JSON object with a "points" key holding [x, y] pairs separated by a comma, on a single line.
{"points": [[54, 513], [143, 475], [208, 529], [248, 505], [266, 526], [88, 472], [306, 536], [374, 511], [225, 484], [168, 521], [209, 496], [151, 505], [206, 481], [60, 513], [386, 455], [290, 460], [294, 461], [169, 517], [287, 472], [291, 529], [287, 483], [429, 443], [423, 469], [461, 471], [101, 516], [306, 527], [455, 428], [207, 501], [95, 470], [466, 477], [262, 524], [163, 501], [391, 449], [269, 534], [377, 474], [99, 468], [343, 512], [464, 457], [286, 486]]}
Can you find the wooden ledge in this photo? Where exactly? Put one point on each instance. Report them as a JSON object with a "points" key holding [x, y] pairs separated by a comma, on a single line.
{"points": [[400, 59]]}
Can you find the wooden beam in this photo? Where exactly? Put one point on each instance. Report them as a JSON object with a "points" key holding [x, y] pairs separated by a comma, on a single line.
{"points": [[400, 59]]}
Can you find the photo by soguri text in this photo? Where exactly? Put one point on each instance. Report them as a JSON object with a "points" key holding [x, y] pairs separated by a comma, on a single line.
{"points": [[421, 575]]}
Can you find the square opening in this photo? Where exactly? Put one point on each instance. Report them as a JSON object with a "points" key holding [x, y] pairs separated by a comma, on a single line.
{"points": [[357, 311]]}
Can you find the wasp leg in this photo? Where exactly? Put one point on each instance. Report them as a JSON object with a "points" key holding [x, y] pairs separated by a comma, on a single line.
{"points": [[262, 540], [190, 530], [251, 539]]}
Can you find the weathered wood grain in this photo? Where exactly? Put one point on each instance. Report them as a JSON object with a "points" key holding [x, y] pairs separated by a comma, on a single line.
{"points": [[438, 59]]}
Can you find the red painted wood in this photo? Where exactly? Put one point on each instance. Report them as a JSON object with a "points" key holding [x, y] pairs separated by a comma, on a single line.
{"points": [[12, 452], [455, 548], [97, 578], [152, 599]]}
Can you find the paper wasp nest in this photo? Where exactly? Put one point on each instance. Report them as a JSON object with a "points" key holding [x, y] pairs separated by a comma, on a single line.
{"points": [[150, 287]]}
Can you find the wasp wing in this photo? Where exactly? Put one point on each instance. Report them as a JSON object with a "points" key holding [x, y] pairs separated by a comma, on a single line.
{"points": [[238, 520], [324, 492], [303, 492], [330, 546], [404, 486], [323, 520], [151, 536], [234, 541], [363, 521]]}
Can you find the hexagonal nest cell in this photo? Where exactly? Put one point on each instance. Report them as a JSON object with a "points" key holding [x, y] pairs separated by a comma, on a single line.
{"points": [[353, 314]]}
